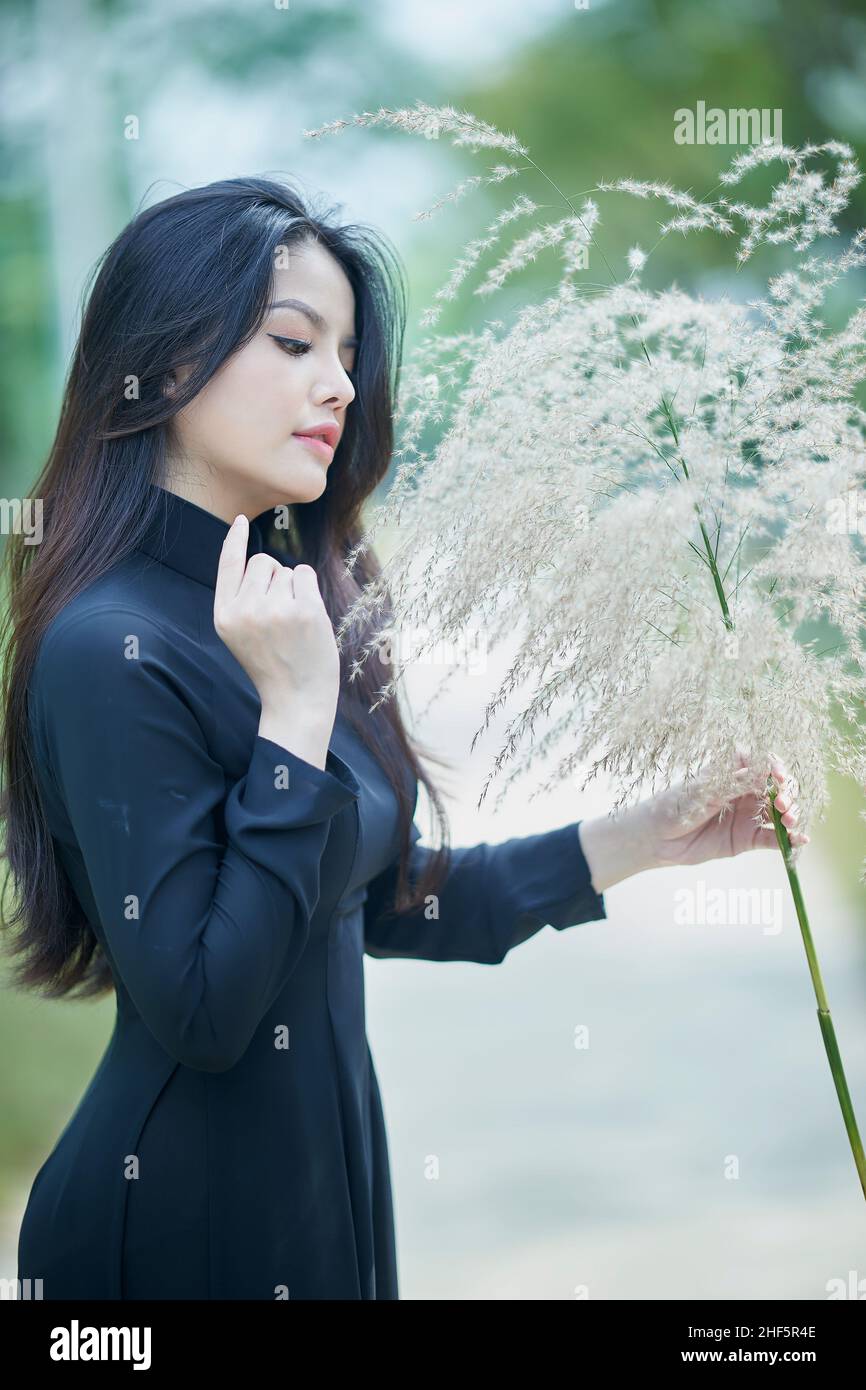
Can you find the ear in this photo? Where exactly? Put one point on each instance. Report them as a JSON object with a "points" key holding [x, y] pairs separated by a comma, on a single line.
{"points": [[170, 384]]}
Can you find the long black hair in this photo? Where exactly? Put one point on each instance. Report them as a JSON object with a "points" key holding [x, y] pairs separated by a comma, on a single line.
{"points": [[188, 280]]}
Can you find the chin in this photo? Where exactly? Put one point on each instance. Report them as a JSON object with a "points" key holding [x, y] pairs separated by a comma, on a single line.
{"points": [[296, 485], [307, 486], [312, 487]]}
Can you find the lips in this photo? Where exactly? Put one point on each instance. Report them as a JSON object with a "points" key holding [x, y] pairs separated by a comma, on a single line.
{"points": [[327, 430], [322, 439], [317, 444]]}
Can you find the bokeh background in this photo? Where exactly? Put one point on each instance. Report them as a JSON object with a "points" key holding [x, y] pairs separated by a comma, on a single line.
{"points": [[603, 1171]]}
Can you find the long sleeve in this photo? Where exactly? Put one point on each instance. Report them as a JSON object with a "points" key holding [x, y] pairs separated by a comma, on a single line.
{"points": [[494, 897], [204, 891]]}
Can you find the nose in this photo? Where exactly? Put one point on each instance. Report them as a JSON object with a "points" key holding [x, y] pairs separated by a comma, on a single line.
{"points": [[338, 391]]}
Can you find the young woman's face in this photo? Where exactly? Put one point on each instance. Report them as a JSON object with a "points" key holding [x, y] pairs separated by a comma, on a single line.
{"points": [[237, 443]]}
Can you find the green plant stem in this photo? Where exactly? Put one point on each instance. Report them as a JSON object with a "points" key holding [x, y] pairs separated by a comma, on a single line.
{"points": [[711, 557], [828, 1033]]}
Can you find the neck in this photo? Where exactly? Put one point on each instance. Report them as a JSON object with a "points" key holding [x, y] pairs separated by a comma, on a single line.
{"points": [[214, 494]]}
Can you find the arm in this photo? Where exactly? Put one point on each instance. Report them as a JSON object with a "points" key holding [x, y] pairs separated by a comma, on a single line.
{"points": [[494, 897], [499, 895], [202, 934]]}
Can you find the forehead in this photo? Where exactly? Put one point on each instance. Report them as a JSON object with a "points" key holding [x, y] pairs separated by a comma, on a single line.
{"points": [[309, 272]]}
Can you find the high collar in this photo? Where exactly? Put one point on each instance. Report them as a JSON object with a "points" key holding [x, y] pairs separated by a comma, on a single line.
{"points": [[189, 539]]}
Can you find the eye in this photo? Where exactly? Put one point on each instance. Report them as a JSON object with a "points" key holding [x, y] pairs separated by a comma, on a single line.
{"points": [[295, 347]]}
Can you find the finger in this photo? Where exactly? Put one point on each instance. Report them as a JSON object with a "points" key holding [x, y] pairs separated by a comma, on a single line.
{"points": [[259, 573], [750, 770], [793, 831], [233, 558], [784, 803], [787, 792], [789, 819], [779, 771], [765, 838], [283, 580], [306, 582]]}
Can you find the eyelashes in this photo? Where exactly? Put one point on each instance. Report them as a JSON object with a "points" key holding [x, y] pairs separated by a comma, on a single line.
{"points": [[297, 347]]}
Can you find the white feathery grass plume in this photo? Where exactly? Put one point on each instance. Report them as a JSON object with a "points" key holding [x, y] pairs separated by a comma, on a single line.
{"points": [[521, 207], [559, 431], [663, 496]]}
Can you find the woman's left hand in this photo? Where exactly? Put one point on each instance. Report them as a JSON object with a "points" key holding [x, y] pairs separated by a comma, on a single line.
{"points": [[681, 826], [676, 837]]}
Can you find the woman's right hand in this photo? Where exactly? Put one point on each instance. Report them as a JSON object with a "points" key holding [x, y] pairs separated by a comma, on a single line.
{"points": [[273, 620]]}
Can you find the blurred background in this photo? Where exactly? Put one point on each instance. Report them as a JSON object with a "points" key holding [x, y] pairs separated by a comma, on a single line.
{"points": [[695, 1147]]}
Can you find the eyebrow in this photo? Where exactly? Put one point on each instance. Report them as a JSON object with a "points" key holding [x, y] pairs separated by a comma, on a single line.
{"points": [[312, 314]]}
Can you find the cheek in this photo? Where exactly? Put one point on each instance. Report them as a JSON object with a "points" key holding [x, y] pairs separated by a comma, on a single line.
{"points": [[251, 397]]}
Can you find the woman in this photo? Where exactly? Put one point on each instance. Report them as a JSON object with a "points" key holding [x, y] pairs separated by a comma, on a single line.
{"points": [[202, 814]]}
